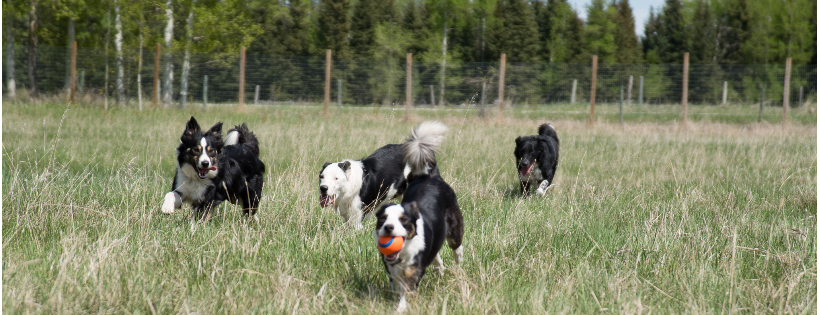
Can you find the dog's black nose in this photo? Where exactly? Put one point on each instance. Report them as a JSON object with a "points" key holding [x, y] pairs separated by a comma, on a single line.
{"points": [[323, 188], [205, 164], [388, 228]]}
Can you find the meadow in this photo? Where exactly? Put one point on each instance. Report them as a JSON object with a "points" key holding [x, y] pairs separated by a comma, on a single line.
{"points": [[653, 216]]}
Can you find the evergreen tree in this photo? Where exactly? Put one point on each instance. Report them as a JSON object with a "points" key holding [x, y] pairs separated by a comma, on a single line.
{"points": [[542, 18], [673, 33], [566, 42], [628, 48], [600, 32], [363, 23], [414, 22], [813, 59], [703, 34], [334, 27], [651, 40], [735, 29], [522, 42], [285, 29]]}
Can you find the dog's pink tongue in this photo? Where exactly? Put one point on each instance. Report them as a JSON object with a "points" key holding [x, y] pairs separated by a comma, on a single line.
{"points": [[527, 171], [213, 168]]}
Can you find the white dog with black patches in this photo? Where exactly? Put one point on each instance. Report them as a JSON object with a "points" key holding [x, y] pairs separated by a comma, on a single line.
{"points": [[428, 215], [356, 187]]}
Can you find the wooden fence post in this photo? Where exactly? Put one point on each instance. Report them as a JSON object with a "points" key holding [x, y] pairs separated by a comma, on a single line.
{"points": [[432, 97], [409, 86], [501, 86], [592, 92], [256, 95], [328, 61], [685, 97], [339, 96], [242, 79], [725, 87], [483, 99], [762, 98], [73, 71], [156, 76], [574, 87], [640, 91], [205, 92], [629, 91], [621, 107], [786, 90]]}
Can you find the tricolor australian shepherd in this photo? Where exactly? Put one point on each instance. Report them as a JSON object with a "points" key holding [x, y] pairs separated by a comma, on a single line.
{"points": [[427, 216], [356, 187], [536, 159], [210, 171]]}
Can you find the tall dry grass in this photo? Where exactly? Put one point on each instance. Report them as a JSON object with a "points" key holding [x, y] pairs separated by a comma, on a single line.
{"points": [[646, 217]]}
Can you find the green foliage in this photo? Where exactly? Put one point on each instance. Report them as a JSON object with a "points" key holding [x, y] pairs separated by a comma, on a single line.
{"points": [[628, 48], [333, 28], [600, 31], [566, 42]]}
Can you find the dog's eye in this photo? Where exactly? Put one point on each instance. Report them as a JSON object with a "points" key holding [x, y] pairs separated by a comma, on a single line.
{"points": [[404, 220], [321, 176]]}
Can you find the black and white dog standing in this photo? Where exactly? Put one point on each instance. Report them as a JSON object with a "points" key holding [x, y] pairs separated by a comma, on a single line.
{"points": [[427, 216], [210, 171], [536, 159], [356, 187]]}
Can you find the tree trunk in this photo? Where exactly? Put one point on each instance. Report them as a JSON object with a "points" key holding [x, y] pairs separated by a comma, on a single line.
{"points": [[186, 64], [107, 41], [168, 75], [120, 66], [71, 39], [443, 63], [139, 73], [10, 84], [32, 48]]}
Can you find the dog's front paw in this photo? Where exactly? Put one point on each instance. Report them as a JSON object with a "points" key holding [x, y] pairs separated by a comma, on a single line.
{"points": [[542, 189], [172, 202], [402, 305]]}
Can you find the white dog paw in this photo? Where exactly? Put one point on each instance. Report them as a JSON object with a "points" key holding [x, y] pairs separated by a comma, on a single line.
{"points": [[171, 203], [402, 305], [542, 189]]}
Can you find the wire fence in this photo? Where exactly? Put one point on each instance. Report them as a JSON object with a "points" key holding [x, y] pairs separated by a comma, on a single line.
{"points": [[289, 79]]}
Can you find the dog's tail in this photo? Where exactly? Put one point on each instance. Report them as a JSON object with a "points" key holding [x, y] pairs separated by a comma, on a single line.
{"points": [[419, 151], [549, 131], [241, 135]]}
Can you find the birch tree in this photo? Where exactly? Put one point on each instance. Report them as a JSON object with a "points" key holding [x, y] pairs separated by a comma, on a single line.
{"points": [[8, 18], [168, 68], [32, 47], [186, 63], [118, 46]]}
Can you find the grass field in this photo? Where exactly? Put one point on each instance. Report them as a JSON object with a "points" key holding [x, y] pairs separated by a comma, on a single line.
{"points": [[719, 216]]}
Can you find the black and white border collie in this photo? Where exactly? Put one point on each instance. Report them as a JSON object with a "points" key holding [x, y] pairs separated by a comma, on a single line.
{"points": [[536, 159], [427, 216], [210, 171], [358, 187]]}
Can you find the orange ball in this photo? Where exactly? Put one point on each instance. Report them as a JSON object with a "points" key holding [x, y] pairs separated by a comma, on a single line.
{"points": [[389, 245]]}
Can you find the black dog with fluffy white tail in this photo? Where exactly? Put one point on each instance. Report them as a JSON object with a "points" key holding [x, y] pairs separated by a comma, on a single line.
{"points": [[427, 216], [536, 159], [357, 187], [210, 171]]}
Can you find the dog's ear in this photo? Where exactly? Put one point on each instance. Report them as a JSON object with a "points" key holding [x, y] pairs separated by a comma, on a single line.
{"points": [[518, 141], [325, 166], [191, 127], [344, 165], [412, 209], [216, 130]]}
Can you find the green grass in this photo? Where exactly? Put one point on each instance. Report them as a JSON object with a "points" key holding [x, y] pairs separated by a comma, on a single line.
{"points": [[719, 216]]}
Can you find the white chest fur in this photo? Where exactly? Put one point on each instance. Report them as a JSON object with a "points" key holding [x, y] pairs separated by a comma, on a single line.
{"points": [[534, 177], [190, 187]]}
